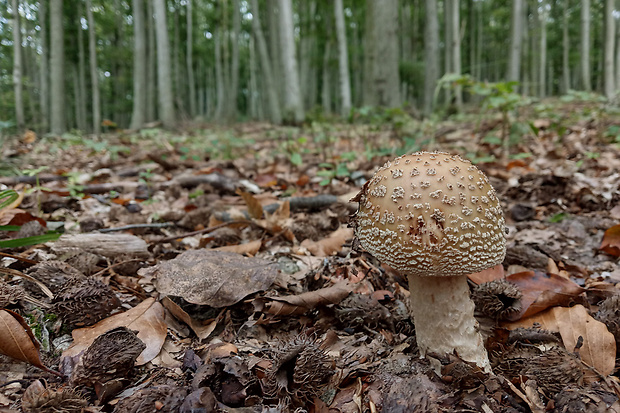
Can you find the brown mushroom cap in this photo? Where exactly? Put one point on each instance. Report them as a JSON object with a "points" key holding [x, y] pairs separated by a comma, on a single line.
{"points": [[431, 214]]}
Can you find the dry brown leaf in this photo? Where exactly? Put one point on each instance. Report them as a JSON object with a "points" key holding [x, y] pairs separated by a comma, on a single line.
{"points": [[202, 328], [599, 345], [147, 318], [299, 304], [611, 241], [18, 341], [214, 278], [249, 248], [542, 291], [490, 274], [255, 209], [330, 245], [280, 219]]}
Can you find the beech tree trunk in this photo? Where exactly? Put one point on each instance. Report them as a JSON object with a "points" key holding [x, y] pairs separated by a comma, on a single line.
{"points": [[343, 60], [586, 81], [17, 66], [381, 68], [57, 73], [608, 66], [44, 67], [233, 91], [265, 63], [516, 40], [138, 113], [94, 78], [189, 60], [219, 79], [293, 107], [431, 54], [80, 95], [164, 71], [565, 49], [542, 71], [326, 96], [151, 74], [455, 47]]}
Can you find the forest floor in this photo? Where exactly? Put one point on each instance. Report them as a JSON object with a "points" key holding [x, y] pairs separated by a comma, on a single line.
{"points": [[213, 269]]}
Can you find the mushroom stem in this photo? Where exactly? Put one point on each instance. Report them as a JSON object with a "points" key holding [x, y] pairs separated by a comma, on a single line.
{"points": [[444, 320]]}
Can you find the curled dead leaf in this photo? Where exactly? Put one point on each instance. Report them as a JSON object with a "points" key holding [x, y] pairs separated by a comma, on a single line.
{"points": [[330, 245], [599, 345], [611, 241], [18, 341], [542, 291], [299, 304]]}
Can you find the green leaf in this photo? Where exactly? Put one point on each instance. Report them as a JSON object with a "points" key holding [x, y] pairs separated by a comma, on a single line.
{"points": [[10, 227], [27, 241], [296, 159], [10, 194]]}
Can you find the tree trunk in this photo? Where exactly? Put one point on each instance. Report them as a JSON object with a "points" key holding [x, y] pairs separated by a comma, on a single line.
{"points": [[608, 66], [176, 61], [189, 61], [94, 78], [265, 62], [455, 46], [219, 79], [57, 73], [273, 30], [618, 55], [138, 113], [343, 60], [326, 97], [44, 67], [164, 74], [586, 81], [81, 89], [382, 47], [231, 112], [516, 39], [542, 71], [17, 66], [151, 75], [565, 49], [431, 55], [292, 108]]}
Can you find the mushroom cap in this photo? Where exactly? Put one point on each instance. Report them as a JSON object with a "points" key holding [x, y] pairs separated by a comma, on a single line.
{"points": [[431, 214]]}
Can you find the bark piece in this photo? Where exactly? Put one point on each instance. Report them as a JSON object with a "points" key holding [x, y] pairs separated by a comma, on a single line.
{"points": [[107, 245]]}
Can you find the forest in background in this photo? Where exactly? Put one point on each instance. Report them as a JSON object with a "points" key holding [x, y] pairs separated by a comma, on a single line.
{"points": [[87, 64]]}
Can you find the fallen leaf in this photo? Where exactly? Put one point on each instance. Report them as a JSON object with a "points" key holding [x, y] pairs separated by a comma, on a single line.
{"points": [[611, 241], [202, 328], [541, 291], [249, 248], [255, 209], [299, 304], [599, 345], [490, 274], [18, 341], [330, 245], [214, 278], [147, 318]]}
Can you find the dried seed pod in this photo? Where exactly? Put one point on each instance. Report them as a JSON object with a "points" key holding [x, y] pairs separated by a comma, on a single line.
{"points": [[360, 310], [38, 399], [300, 369], [497, 299], [588, 400], [10, 294], [609, 314], [54, 274], [554, 370], [84, 301], [111, 356], [160, 399]]}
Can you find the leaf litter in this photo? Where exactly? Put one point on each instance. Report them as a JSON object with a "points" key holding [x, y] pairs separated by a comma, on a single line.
{"points": [[237, 284]]}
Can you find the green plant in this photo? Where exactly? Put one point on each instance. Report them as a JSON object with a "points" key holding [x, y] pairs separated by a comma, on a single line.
{"points": [[331, 171], [76, 190]]}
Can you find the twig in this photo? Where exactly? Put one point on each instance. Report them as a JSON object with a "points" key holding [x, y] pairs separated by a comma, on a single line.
{"points": [[243, 222], [137, 226]]}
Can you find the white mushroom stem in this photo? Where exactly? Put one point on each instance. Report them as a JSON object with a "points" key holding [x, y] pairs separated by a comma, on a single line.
{"points": [[443, 315]]}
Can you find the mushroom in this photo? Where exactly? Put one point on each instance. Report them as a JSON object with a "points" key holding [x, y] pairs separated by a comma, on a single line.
{"points": [[435, 218]]}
